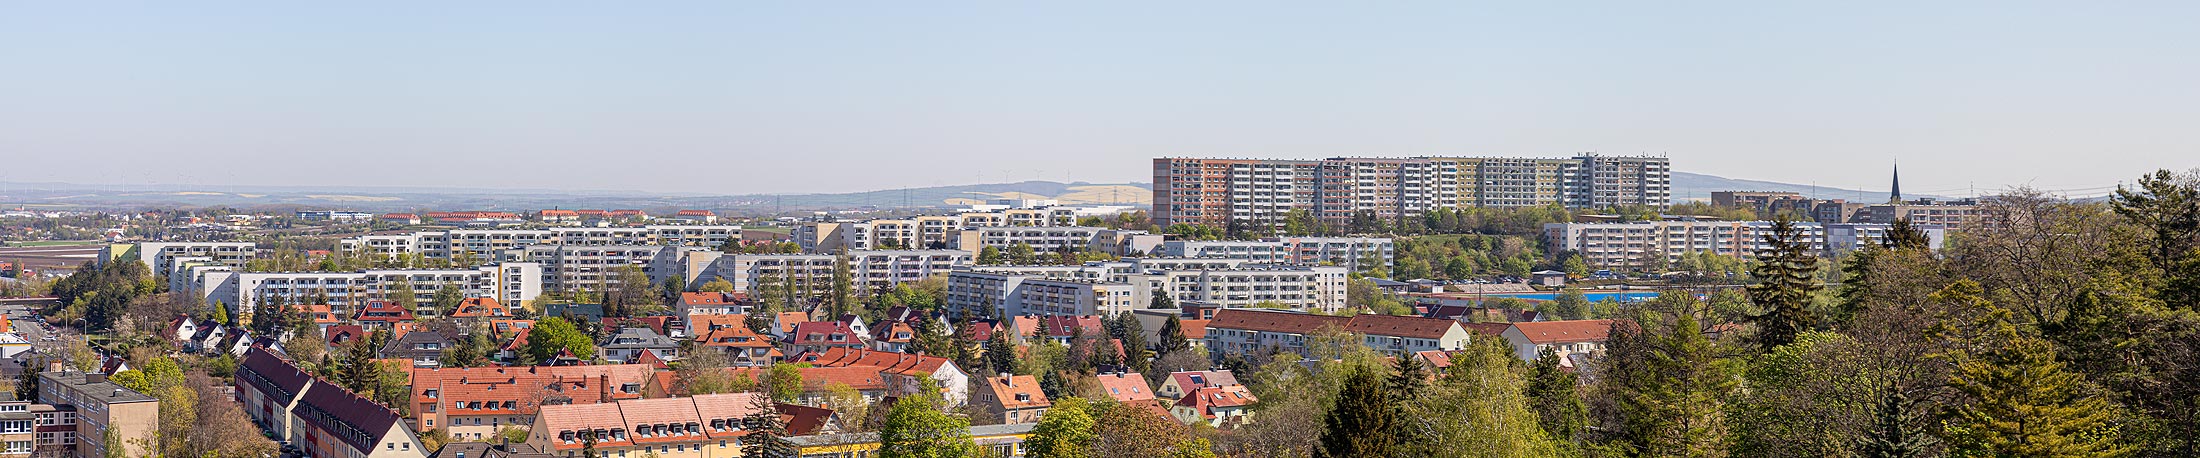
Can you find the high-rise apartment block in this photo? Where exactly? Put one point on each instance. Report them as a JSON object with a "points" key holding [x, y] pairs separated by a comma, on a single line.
{"points": [[1217, 191]]}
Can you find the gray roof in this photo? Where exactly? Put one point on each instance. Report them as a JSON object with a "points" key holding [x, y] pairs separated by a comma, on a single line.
{"points": [[640, 337], [102, 390]]}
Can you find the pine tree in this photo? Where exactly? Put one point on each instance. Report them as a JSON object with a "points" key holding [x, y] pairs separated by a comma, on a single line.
{"points": [[767, 433], [1362, 421], [2025, 402], [1891, 436], [1172, 336], [1410, 379], [1000, 353], [1786, 281], [1556, 399], [26, 381]]}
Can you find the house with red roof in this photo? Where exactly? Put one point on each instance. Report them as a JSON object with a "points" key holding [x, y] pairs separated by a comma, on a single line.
{"points": [[558, 217], [1566, 338], [1215, 406], [894, 336], [1014, 398], [903, 370], [819, 336], [381, 314], [401, 218], [695, 216], [1244, 331], [712, 303], [479, 309], [742, 346], [1178, 384], [1128, 387]]}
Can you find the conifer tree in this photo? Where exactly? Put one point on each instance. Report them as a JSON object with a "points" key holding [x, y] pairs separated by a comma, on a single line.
{"points": [[767, 433], [1557, 402], [1786, 281], [1891, 436], [2024, 402], [1361, 421]]}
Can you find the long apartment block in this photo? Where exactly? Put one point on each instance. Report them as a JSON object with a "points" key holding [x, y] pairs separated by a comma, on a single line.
{"points": [[812, 273], [1217, 191], [1642, 244], [1355, 253], [512, 283], [489, 243], [1122, 286]]}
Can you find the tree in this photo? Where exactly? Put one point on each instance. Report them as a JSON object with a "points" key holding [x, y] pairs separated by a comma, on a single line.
{"points": [[2024, 402], [843, 300], [1000, 352], [1891, 437], [448, 297], [219, 314], [26, 380], [1172, 336], [918, 427], [847, 403], [1065, 431], [1557, 399], [716, 285], [1571, 304], [767, 433], [989, 256], [1361, 421], [1575, 267], [473, 352], [401, 292], [1786, 282], [783, 381], [1021, 254], [1661, 386], [554, 335]]}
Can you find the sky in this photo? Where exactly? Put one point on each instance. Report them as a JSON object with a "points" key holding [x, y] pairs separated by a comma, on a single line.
{"points": [[783, 97]]}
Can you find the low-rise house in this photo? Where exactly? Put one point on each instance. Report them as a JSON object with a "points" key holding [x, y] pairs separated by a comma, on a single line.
{"points": [[742, 346], [698, 325], [903, 370], [1245, 331], [382, 315], [628, 345], [818, 336], [424, 349], [893, 336], [101, 407], [1566, 338], [1127, 387], [337, 335], [1014, 398], [1215, 406], [270, 388], [711, 303], [480, 309], [1178, 384]]}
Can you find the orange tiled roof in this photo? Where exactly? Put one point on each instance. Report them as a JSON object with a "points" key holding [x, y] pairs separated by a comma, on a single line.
{"points": [[1008, 389], [889, 362], [1544, 332]]}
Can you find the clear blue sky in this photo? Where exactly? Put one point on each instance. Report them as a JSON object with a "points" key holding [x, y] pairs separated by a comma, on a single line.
{"points": [[738, 97]]}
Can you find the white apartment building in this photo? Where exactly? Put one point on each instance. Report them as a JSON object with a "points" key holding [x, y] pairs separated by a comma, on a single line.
{"points": [[1637, 244], [1843, 238], [488, 243], [870, 270], [1350, 252], [511, 283], [1104, 285], [573, 267], [159, 257]]}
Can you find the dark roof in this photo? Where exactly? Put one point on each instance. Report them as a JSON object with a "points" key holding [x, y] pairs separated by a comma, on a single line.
{"points": [[1273, 321], [263, 369], [803, 420], [359, 422], [592, 312]]}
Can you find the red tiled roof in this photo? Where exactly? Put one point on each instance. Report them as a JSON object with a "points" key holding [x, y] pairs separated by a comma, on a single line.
{"points": [[1126, 387], [889, 362], [824, 333], [1274, 321], [1008, 389], [731, 336], [478, 307], [861, 378], [1401, 326], [1206, 400], [1544, 332]]}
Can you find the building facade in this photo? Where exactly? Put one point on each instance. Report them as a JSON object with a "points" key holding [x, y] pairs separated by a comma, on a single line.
{"points": [[1215, 192]]}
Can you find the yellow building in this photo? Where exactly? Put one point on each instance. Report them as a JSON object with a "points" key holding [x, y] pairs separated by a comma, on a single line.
{"points": [[994, 441]]}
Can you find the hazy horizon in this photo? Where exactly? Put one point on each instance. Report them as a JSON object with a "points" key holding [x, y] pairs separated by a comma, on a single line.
{"points": [[727, 99]]}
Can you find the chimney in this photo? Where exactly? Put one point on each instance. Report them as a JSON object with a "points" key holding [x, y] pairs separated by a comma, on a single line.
{"points": [[603, 386], [116, 394], [95, 378]]}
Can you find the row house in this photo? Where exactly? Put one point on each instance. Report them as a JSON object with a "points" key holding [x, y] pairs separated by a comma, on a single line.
{"points": [[1247, 331], [1564, 338], [473, 403], [323, 420], [702, 426]]}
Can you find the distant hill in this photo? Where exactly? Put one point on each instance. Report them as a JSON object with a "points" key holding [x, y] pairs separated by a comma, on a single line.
{"points": [[1686, 186]]}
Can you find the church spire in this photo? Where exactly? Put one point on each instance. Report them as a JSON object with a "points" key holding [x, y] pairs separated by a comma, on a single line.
{"points": [[1894, 195]]}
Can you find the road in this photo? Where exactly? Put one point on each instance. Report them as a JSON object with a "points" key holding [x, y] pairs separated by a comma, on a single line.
{"points": [[25, 319]]}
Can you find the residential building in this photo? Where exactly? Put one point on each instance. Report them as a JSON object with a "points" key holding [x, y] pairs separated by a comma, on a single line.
{"points": [[473, 403], [1180, 384], [160, 256], [1121, 286], [701, 426], [1649, 244], [509, 283], [1216, 191], [1126, 387], [1246, 331], [1843, 238], [102, 406], [1215, 406], [1952, 215], [628, 345], [1565, 338], [1350, 252], [1014, 398], [903, 370], [743, 346]]}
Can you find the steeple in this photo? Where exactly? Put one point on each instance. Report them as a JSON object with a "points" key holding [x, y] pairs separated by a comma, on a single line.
{"points": [[1894, 194]]}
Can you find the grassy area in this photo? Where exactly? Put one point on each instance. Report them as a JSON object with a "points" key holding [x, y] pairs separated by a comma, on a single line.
{"points": [[55, 243]]}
